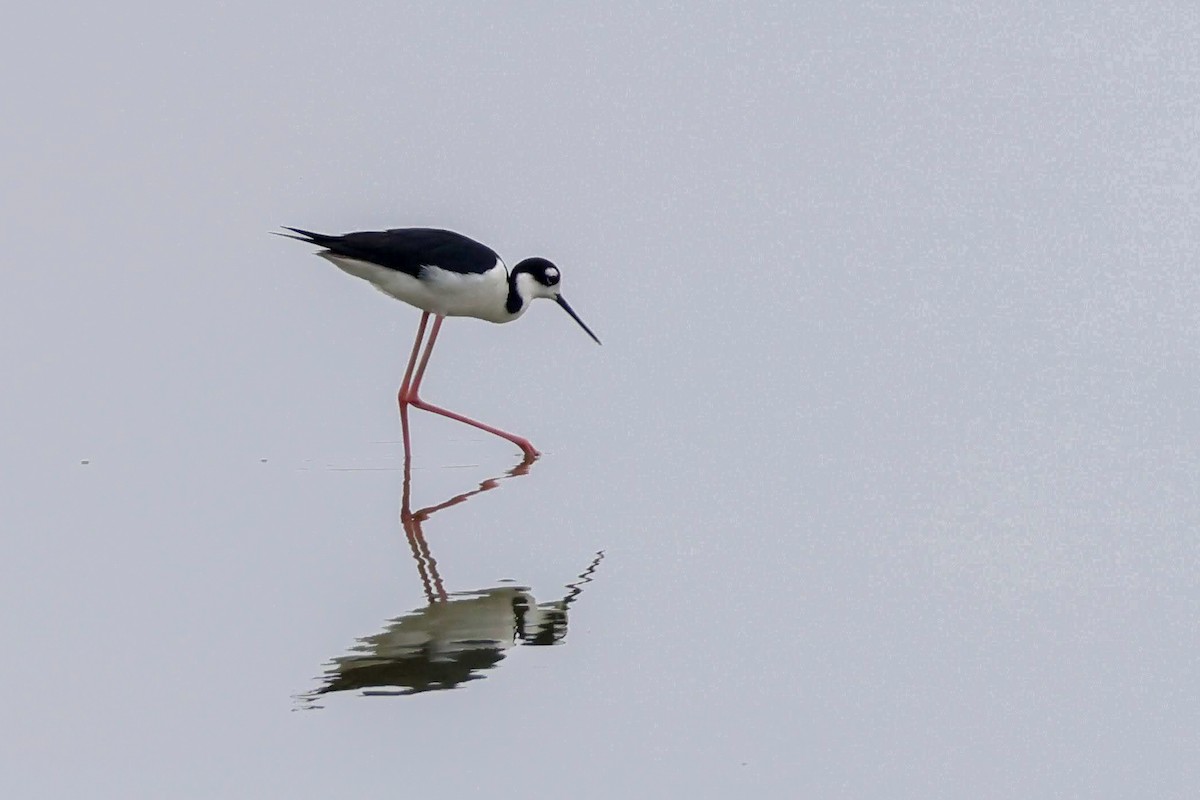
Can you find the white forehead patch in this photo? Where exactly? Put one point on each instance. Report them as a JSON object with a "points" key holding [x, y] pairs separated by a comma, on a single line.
{"points": [[551, 272]]}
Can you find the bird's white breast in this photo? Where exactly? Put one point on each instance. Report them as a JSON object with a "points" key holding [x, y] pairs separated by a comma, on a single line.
{"points": [[451, 294]]}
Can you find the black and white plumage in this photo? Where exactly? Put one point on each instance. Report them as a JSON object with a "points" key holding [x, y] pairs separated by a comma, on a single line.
{"points": [[445, 274]]}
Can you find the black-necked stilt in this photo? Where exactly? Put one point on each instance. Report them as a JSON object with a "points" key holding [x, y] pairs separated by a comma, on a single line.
{"points": [[444, 274]]}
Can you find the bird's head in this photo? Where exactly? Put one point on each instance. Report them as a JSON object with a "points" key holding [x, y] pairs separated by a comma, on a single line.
{"points": [[538, 277]]}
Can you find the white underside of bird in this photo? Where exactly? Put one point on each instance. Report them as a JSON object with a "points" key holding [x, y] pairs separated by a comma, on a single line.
{"points": [[482, 295]]}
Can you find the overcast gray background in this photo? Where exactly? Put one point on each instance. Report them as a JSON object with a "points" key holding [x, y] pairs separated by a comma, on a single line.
{"points": [[891, 444]]}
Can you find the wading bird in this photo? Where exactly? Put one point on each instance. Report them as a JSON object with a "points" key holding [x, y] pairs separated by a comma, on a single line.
{"points": [[444, 274]]}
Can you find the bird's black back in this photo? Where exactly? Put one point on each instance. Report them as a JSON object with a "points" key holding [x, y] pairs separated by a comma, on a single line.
{"points": [[408, 249]]}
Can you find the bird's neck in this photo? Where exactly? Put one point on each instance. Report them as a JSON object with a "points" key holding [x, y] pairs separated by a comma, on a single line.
{"points": [[517, 302]]}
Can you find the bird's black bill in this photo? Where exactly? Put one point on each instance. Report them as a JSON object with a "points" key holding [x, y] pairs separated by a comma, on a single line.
{"points": [[567, 308]]}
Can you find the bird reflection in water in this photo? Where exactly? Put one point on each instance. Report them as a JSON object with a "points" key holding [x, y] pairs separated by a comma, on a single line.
{"points": [[456, 635]]}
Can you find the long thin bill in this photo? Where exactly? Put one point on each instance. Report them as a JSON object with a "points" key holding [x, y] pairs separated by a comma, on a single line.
{"points": [[567, 308]]}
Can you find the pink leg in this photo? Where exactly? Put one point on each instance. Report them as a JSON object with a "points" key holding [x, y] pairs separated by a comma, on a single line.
{"points": [[433, 334], [414, 397], [404, 428], [404, 395]]}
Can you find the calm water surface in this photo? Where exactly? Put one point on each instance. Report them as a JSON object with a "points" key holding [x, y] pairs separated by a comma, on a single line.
{"points": [[883, 483]]}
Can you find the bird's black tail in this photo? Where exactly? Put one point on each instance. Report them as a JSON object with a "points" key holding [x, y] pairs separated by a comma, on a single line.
{"points": [[320, 239]]}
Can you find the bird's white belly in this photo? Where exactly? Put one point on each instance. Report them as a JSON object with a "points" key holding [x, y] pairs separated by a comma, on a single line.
{"points": [[450, 294]]}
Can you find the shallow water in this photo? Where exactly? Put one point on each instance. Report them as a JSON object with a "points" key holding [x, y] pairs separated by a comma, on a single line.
{"points": [[883, 482]]}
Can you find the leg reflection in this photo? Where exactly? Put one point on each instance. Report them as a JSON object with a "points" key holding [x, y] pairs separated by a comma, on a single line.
{"points": [[456, 636], [412, 521]]}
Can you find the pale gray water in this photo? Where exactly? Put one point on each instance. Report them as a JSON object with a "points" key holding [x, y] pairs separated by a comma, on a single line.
{"points": [[890, 449]]}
